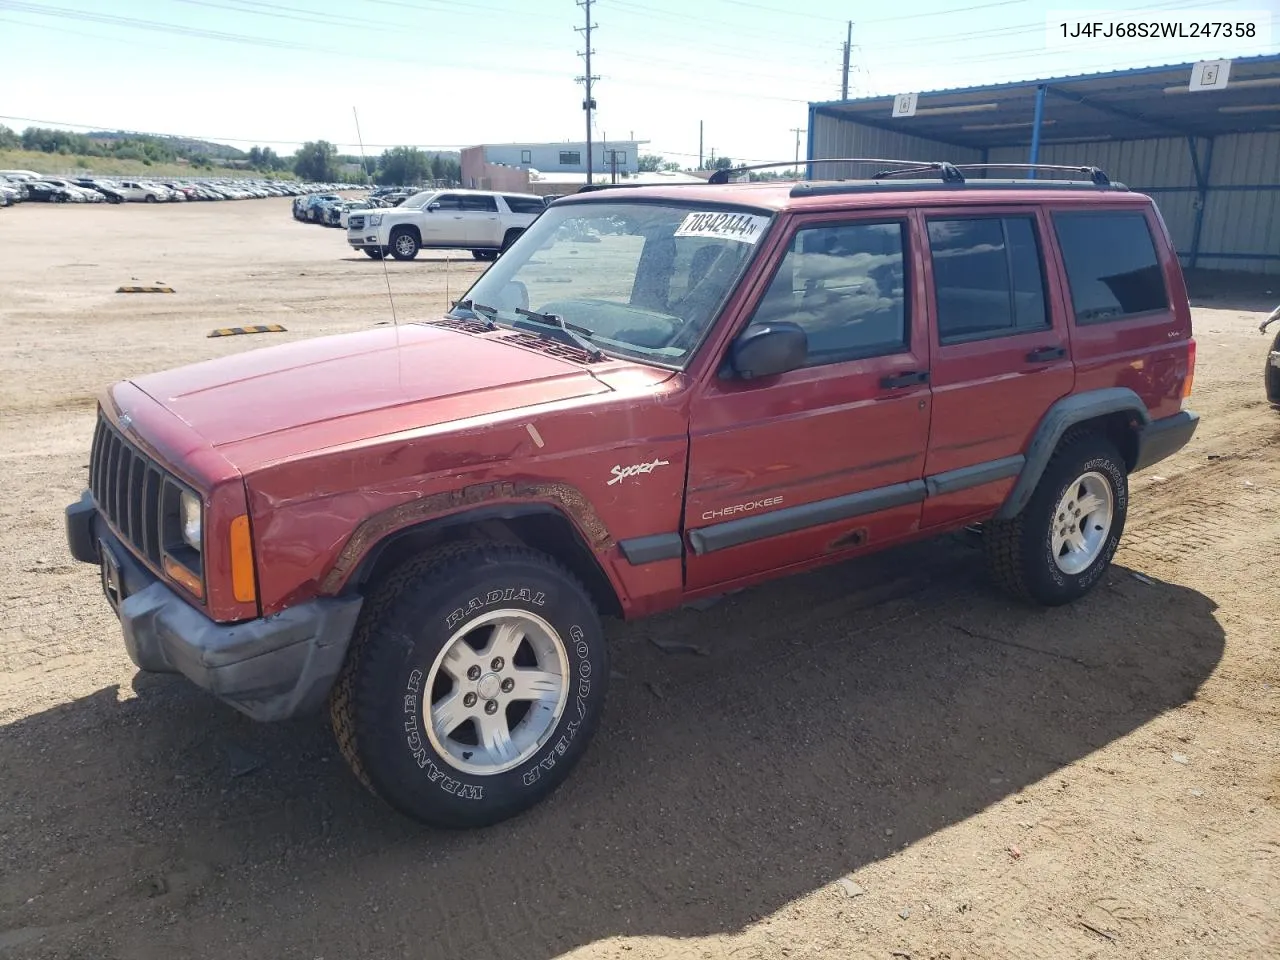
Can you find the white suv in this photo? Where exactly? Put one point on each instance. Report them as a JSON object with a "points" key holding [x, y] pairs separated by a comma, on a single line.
{"points": [[142, 191], [481, 221]]}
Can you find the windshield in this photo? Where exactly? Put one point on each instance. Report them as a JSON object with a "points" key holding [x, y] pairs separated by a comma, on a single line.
{"points": [[418, 199], [640, 280]]}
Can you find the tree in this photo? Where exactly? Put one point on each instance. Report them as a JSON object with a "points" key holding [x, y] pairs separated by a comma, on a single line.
{"points": [[671, 165], [721, 163], [8, 139], [316, 161], [650, 162], [404, 165]]}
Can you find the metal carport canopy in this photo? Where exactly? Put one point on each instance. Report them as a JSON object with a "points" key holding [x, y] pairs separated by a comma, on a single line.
{"points": [[1142, 103]]}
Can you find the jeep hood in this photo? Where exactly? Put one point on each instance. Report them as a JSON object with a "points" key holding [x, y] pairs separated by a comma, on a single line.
{"points": [[275, 403]]}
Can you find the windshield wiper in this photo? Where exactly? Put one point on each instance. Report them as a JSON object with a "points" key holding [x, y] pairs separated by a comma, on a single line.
{"points": [[574, 332], [487, 314]]}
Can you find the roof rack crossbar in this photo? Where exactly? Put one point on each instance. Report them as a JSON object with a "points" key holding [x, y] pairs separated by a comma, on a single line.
{"points": [[1095, 174], [722, 176]]}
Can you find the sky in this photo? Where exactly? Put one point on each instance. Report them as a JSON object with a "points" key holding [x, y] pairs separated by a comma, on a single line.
{"points": [[450, 73]]}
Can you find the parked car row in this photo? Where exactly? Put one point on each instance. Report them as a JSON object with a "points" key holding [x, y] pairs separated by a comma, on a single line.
{"points": [[332, 210], [17, 186]]}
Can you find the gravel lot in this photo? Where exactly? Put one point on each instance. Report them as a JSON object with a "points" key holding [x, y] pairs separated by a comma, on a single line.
{"points": [[884, 759]]}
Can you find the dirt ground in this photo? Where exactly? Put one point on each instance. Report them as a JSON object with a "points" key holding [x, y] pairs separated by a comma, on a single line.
{"points": [[884, 759]]}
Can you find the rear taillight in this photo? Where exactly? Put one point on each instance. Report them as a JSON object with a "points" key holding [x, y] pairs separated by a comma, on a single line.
{"points": [[1191, 369]]}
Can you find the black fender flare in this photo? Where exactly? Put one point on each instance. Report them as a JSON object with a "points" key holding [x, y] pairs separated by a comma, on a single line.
{"points": [[1061, 417], [585, 540]]}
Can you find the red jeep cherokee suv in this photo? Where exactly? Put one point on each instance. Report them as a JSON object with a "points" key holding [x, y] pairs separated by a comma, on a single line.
{"points": [[655, 394]]}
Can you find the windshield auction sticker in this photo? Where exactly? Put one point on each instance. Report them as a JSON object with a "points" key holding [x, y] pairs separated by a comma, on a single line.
{"points": [[743, 227]]}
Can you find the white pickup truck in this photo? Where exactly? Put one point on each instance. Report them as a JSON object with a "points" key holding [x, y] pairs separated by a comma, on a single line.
{"points": [[481, 221]]}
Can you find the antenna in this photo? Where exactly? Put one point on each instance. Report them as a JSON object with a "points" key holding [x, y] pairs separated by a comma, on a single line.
{"points": [[386, 274]]}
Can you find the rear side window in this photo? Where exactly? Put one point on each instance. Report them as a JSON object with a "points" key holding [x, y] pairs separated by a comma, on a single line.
{"points": [[525, 204], [1111, 263], [846, 286], [987, 278], [479, 203]]}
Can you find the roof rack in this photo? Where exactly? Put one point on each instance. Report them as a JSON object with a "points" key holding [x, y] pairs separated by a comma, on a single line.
{"points": [[1095, 174], [726, 175]]}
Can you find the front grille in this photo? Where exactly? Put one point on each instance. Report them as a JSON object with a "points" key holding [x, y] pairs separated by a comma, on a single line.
{"points": [[141, 501], [355, 223]]}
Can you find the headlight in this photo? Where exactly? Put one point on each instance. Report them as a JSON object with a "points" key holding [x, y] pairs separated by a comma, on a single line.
{"points": [[191, 520], [375, 219]]}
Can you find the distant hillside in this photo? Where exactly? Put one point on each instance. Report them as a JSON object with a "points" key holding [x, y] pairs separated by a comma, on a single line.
{"points": [[181, 146]]}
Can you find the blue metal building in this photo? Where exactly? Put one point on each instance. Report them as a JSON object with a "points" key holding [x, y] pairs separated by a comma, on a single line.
{"points": [[1210, 156]]}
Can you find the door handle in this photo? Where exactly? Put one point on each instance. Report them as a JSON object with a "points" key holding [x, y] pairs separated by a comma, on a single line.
{"points": [[905, 379], [1045, 354]]}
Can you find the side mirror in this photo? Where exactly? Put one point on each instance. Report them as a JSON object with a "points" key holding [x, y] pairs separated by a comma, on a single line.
{"points": [[768, 349], [433, 207]]}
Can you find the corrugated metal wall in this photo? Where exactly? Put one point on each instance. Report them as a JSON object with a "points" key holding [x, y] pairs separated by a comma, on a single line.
{"points": [[1235, 221], [837, 138]]}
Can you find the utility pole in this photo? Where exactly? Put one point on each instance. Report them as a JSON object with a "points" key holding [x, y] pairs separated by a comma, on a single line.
{"points": [[848, 47], [797, 131], [588, 103], [699, 144]]}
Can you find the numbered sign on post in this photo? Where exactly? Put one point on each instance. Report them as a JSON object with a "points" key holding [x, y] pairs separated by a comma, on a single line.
{"points": [[904, 105], [1210, 74]]}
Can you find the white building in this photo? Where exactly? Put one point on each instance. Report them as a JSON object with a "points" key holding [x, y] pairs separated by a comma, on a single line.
{"points": [[566, 157]]}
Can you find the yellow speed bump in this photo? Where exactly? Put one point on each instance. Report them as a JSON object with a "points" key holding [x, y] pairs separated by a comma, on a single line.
{"points": [[236, 331], [156, 289]]}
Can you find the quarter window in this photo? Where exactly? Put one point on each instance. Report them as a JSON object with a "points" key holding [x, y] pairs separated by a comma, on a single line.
{"points": [[987, 278], [845, 286], [524, 204], [1111, 263]]}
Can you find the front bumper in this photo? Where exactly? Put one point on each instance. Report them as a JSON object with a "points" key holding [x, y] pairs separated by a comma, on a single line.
{"points": [[371, 240], [1164, 437], [270, 669]]}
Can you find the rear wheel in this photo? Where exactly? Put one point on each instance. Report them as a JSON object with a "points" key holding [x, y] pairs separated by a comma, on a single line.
{"points": [[485, 254], [404, 245], [510, 238], [1057, 549], [474, 682]]}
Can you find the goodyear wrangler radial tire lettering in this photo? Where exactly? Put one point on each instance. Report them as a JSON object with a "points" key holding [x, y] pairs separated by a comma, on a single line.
{"points": [[380, 706], [1020, 551]]}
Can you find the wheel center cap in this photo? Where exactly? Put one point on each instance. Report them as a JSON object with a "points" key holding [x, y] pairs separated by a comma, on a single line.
{"points": [[488, 686]]}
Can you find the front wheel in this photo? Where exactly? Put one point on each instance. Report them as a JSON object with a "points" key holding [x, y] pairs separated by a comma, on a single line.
{"points": [[1057, 549], [151, 198], [475, 680], [404, 245]]}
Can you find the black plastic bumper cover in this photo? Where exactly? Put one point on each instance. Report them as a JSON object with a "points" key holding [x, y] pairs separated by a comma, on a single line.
{"points": [[1164, 437], [270, 669]]}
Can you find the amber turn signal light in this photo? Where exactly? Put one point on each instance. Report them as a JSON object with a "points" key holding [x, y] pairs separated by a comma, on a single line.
{"points": [[1190, 379], [181, 575], [244, 586]]}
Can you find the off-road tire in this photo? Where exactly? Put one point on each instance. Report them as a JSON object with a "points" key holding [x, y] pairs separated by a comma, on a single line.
{"points": [[373, 253], [376, 704], [1272, 375], [402, 234], [1019, 550]]}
